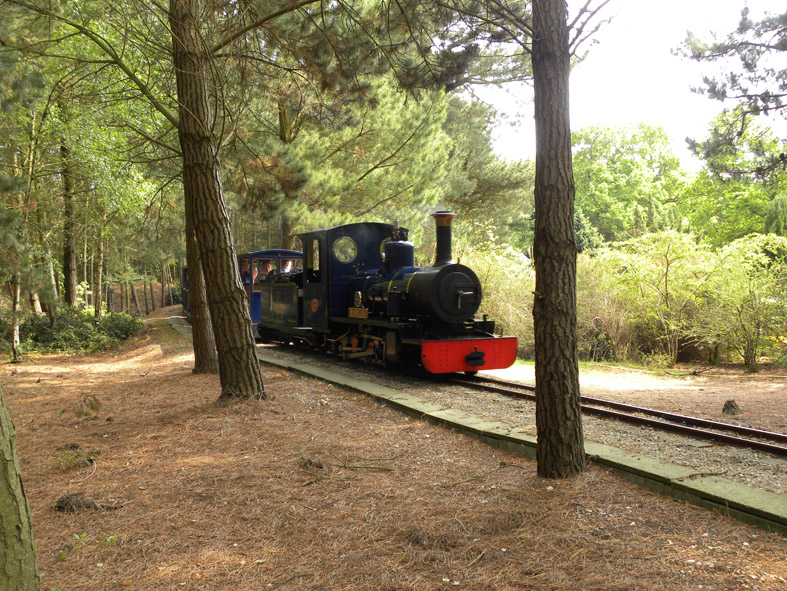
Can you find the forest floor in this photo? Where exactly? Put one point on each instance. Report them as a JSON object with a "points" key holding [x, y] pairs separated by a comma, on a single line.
{"points": [[137, 480]]}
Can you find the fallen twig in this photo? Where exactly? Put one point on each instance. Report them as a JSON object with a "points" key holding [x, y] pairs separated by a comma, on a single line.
{"points": [[698, 474], [484, 475], [95, 467], [292, 577], [476, 559]]}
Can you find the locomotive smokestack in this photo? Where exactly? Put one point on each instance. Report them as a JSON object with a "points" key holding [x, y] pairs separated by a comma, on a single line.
{"points": [[443, 221]]}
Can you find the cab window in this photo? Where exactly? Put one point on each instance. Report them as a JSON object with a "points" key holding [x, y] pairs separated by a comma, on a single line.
{"points": [[313, 261]]}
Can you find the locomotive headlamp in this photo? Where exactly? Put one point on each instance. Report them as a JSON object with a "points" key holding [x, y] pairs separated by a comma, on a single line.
{"points": [[357, 299]]}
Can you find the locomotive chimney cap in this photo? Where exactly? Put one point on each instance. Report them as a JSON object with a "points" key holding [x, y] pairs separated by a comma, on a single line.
{"points": [[443, 221], [443, 218]]}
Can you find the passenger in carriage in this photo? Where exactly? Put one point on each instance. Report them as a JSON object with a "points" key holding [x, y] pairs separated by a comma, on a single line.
{"points": [[265, 271]]}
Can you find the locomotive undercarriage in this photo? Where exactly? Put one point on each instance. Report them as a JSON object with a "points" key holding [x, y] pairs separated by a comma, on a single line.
{"points": [[377, 340]]}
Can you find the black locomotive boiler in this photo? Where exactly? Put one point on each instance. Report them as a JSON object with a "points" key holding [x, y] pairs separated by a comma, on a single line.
{"points": [[359, 295]]}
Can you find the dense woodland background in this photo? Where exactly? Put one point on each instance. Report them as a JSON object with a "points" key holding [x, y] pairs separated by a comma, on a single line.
{"points": [[329, 113]]}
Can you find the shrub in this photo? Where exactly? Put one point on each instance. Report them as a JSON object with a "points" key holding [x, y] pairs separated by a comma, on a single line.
{"points": [[746, 313], [120, 326], [508, 279], [77, 331], [662, 280], [604, 330]]}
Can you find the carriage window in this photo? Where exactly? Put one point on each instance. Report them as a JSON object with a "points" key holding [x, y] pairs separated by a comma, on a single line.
{"points": [[345, 250]]}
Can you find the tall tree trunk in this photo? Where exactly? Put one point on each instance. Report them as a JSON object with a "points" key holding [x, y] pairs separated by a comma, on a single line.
{"points": [[560, 450], [239, 370], [205, 359], [85, 267], [110, 297], [69, 228], [287, 226], [54, 293], [145, 295], [98, 291], [135, 298], [16, 310], [18, 568], [152, 293], [164, 281], [287, 229], [48, 296], [35, 302], [170, 284]]}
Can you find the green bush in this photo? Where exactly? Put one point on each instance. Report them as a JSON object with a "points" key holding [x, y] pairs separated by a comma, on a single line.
{"points": [[604, 328], [77, 331], [507, 279], [120, 326]]}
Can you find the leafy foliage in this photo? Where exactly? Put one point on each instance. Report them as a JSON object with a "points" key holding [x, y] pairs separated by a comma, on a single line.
{"points": [[77, 331], [661, 279], [776, 218], [755, 81], [604, 324], [496, 194], [746, 313], [625, 179], [732, 197]]}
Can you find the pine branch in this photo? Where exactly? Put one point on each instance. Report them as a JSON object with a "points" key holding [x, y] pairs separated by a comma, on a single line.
{"points": [[105, 47]]}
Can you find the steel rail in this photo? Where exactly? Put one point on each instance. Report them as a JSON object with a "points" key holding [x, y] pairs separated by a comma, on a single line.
{"points": [[676, 418], [673, 422]]}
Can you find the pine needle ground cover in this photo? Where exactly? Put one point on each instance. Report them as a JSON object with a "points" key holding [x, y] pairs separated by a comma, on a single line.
{"points": [[137, 480]]}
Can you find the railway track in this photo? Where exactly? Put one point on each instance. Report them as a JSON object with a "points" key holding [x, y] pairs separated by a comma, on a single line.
{"points": [[768, 441]]}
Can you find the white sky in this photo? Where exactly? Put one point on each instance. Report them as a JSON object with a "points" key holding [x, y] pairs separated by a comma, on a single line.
{"points": [[631, 76]]}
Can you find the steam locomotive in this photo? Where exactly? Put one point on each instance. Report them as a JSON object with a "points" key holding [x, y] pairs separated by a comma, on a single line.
{"points": [[358, 295]]}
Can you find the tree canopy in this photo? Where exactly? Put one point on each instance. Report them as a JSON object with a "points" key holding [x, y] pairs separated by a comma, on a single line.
{"points": [[754, 81], [627, 179]]}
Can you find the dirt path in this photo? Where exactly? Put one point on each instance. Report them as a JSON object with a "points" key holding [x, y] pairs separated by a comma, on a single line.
{"points": [[321, 488]]}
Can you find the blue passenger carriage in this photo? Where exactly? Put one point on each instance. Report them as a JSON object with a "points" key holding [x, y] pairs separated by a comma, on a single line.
{"points": [[256, 268]]}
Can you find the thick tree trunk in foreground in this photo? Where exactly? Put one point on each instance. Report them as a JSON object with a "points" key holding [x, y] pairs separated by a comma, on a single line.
{"points": [[239, 370], [560, 451], [18, 569]]}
